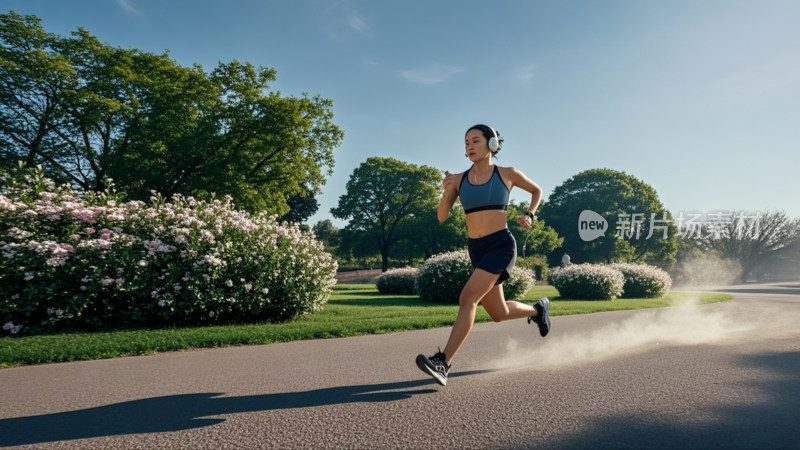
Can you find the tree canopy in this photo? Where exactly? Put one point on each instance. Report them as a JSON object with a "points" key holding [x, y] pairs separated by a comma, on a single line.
{"points": [[87, 111], [627, 204], [385, 196]]}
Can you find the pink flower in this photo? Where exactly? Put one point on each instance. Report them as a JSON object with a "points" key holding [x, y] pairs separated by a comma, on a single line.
{"points": [[119, 280], [89, 230], [75, 237], [85, 216]]}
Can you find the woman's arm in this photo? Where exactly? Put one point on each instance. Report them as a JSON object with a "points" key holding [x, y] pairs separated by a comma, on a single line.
{"points": [[519, 179], [449, 197]]}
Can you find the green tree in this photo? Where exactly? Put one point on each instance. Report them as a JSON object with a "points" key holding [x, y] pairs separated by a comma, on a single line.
{"points": [[357, 247], [382, 195], [86, 111], [327, 233], [301, 207], [34, 79], [615, 196], [424, 236]]}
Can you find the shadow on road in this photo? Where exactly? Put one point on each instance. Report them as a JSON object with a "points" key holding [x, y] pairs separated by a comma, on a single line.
{"points": [[771, 424], [186, 411]]}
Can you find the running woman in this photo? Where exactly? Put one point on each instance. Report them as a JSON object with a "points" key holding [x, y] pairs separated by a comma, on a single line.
{"points": [[484, 192]]}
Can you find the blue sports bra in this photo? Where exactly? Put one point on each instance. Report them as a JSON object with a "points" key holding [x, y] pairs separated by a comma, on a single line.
{"points": [[490, 195]]}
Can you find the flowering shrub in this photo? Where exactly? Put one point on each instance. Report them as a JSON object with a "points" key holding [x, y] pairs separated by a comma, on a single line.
{"points": [[643, 281], [520, 282], [397, 281], [88, 261], [588, 282], [442, 277]]}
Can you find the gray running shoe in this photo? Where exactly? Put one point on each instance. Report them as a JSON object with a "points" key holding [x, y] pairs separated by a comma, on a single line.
{"points": [[542, 318], [434, 366]]}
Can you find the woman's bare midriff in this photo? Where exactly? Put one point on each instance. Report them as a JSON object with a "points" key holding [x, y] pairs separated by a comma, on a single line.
{"points": [[484, 223]]}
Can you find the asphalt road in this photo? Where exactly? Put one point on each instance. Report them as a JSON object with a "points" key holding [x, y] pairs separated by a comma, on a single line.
{"points": [[715, 376]]}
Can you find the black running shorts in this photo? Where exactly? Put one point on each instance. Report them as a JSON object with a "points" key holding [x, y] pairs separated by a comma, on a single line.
{"points": [[494, 253]]}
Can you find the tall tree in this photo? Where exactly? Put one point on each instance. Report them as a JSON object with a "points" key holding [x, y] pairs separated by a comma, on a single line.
{"points": [[383, 194], [34, 79], [87, 111], [630, 208]]}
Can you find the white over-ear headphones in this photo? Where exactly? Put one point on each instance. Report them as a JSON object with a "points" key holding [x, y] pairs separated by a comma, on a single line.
{"points": [[494, 141]]}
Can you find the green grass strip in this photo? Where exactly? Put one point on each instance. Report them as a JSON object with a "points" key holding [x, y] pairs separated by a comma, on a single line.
{"points": [[354, 309]]}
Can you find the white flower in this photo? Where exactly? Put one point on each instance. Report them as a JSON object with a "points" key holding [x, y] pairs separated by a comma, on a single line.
{"points": [[28, 276], [229, 283], [265, 290]]}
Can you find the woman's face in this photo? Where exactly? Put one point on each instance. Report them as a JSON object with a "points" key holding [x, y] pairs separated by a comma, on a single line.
{"points": [[476, 145]]}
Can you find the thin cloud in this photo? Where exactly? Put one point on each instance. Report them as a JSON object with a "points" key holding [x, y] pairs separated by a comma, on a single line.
{"points": [[430, 74], [357, 23], [128, 7], [524, 75]]}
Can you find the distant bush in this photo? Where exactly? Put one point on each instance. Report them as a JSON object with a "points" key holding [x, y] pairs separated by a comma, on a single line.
{"points": [[588, 282], [643, 281], [397, 281]]}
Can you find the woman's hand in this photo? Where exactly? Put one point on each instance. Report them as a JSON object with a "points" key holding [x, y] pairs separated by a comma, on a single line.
{"points": [[449, 183], [524, 221]]}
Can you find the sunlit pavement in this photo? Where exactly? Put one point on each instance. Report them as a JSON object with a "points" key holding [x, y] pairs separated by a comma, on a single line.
{"points": [[714, 376]]}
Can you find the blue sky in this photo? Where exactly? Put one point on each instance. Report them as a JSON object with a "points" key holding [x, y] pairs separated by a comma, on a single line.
{"points": [[700, 99]]}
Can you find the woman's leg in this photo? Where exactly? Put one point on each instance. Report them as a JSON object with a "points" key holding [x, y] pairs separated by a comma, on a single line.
{"points": [[499, 309], [479, 284]]}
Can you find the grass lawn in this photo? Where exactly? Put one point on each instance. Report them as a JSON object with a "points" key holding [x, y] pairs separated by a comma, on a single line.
{"points": [[353, 309]]}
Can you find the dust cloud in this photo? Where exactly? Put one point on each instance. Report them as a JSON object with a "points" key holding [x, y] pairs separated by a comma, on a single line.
{"points": [[706, 270], [686, 323]]}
